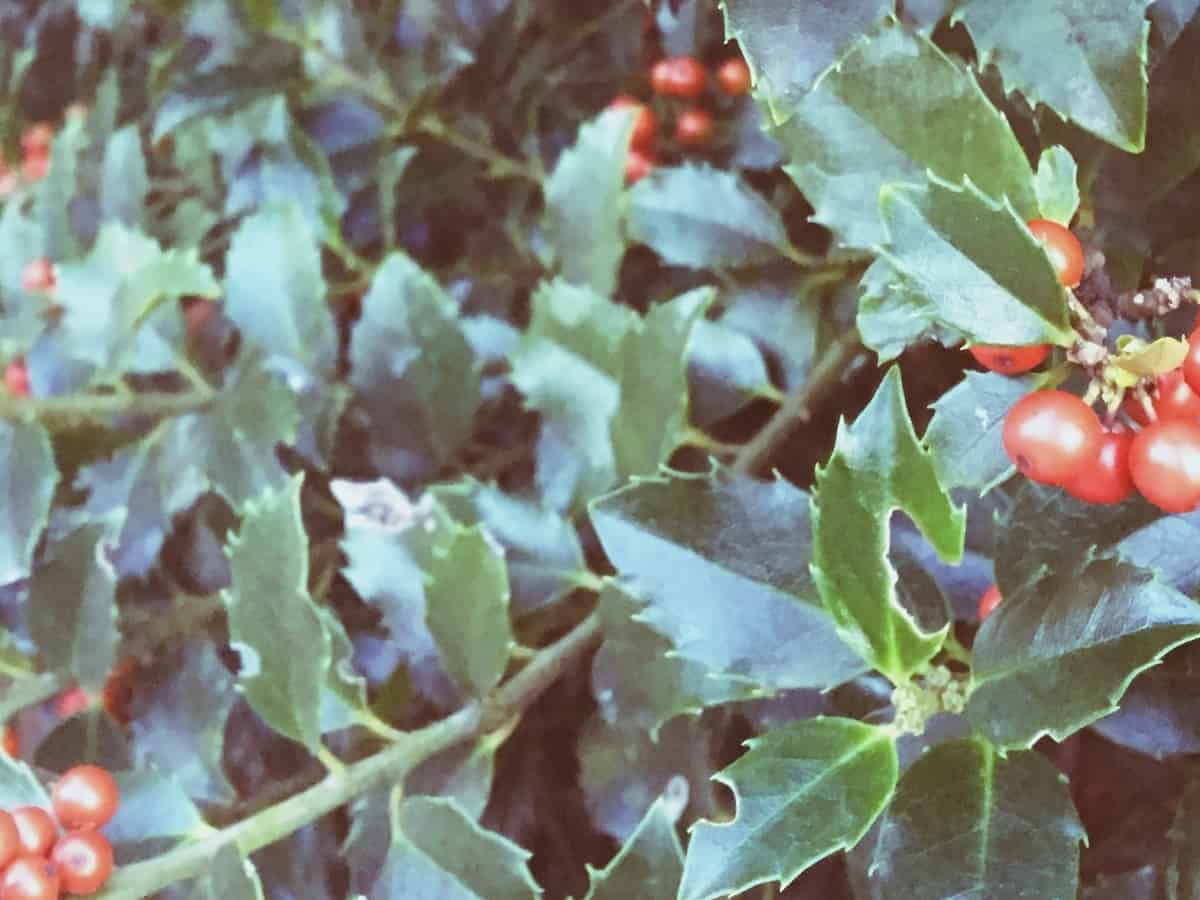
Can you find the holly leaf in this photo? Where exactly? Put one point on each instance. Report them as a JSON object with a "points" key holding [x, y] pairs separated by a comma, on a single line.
{"points": [[968, 823], [789, 45], [867, 103], [54, 193], [27, 485], [894, 314], [964, 434], [1086, 61], [722, 565], [123, 179], [1058, 655], [19, 786], [71, 611], [837, 777], [705, 218], [275, 292], [974, 261], [583, 195], [437, 850], [878, 466], [781, 314], [1056, 184], [154, 815], [647, 867], [230, 876]]}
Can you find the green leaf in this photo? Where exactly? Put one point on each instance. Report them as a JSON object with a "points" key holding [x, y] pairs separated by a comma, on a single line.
{"points": [[1057, 656], [967, 823], [466, 597], [648, 866], [464, 774], [726, 372], [155, 815], [780, 313], [1182, 875], [639, 681], [71, 611], [230, 876], [803, 791], [411, 363], [123, 179], [271, 615], [705, 218], [54, 193], [975, 263], [274, 290], [788, 45], [863, 126], [894, 314], [19, 786], [27, 485], [582, 220], [1057, 185], [1085, 60], [722, 563], [439, 851], [964, 435], [878, 466]]}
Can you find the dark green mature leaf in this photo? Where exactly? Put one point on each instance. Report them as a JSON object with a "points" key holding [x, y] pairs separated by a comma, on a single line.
{"points": [[274, 290], [154, 815], [967, 823], [230, 876], [722, 563], [788, 45], [1085, 60], [123, 179], [1057, 656], [1057, 185], [803, 792], [464, 774], [893, 314], [19, 786], [976, 264], [1160, 713], [705, 218], [878, 466], [439, 851], [180, 728], [21, 240], [583, 202], [54, 193], [411, 363], [649, 865], [964, 434], [27, 484], [637, 680], [864, 126], [1183, 864], [71, 610], [782, 315]]}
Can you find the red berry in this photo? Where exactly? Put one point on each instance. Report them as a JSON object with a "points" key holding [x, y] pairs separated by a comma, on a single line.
{"points": [[38, 276], [1164, 462], [85, 797], [29, 878], [36, 138], [733, 77], [35, 829], [694, 128], [988, 601], [10, 840], [16, 378], [1173, 400], [12, 743], [1063, 248], [117, 690], [678, 76], [71, 701], [1191, 362], [84, 860], [1009, 360], [1106, 478], [645, 123], [1050, 435], [637, 166], [35, 166]]}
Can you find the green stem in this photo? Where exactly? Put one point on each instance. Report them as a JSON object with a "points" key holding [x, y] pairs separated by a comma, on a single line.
{"points": [[71, 410], [499, 165]]}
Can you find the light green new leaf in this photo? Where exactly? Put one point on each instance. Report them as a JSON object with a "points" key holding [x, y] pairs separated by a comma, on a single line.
{"points": [[976, 264], [1058, 655], [274, 290], [27, 484], [895, 107], [967, 823], [803, 791], [1085, 60], [72, 607], [722, 565], [466, 597], [229, 876], [705, 218], [878, 466], [1057, 185], [439, 853], [649, 865], [583, 202], [788, 45], [123, 179]]}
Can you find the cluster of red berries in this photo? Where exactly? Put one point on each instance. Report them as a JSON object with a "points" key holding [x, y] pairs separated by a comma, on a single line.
{"points": [[683, 78], [35, 158], [36, 862], [1054, 437]]}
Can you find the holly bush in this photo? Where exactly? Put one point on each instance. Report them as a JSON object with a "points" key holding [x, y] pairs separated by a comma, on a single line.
{"points": [[502, 448]]}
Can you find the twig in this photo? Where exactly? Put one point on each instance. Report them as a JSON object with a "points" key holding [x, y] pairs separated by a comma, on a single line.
{"points": [[73, 409]]}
